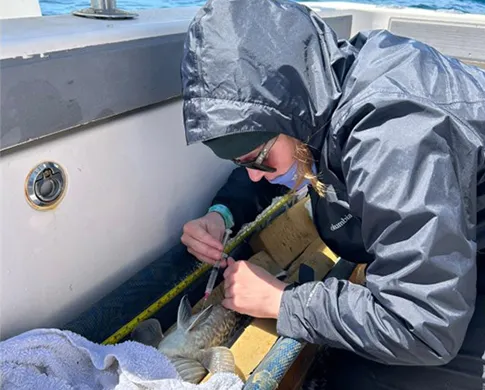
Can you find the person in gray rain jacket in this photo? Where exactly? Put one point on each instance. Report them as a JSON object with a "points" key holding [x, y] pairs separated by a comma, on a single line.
{"points": [[388, 135]]}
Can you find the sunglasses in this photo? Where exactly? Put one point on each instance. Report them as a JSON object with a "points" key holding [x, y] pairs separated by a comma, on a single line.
{"points": [[257, 163]]}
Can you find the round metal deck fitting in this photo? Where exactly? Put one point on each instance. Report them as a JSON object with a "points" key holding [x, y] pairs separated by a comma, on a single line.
{"points": [[45, 185], [104, 9]]}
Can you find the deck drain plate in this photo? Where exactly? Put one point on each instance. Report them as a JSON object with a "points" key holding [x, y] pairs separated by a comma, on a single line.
{"points": [[45, 185]]}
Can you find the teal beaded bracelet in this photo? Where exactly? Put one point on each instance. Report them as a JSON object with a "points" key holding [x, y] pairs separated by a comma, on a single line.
{"points": [[225, 213]]}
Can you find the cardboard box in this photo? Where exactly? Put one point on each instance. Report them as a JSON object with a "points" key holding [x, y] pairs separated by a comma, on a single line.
{"points": [[313, 264], [358, 276], [287, 236]]}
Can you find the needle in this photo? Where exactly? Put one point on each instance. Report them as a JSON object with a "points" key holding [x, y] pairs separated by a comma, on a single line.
{"points": [[215, 270]]}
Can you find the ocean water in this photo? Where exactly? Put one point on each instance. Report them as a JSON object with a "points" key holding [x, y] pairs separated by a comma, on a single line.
{"points": [[58, 7]]}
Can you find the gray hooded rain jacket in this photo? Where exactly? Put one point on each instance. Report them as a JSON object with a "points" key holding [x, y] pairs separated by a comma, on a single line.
{"points": [[397, 132]]}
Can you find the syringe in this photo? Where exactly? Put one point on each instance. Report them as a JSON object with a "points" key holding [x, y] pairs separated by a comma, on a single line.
{"points": [[215, 269]]}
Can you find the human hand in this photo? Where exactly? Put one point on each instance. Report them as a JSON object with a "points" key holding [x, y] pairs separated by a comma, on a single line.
{"points": [[203, 238], [250, 289]]}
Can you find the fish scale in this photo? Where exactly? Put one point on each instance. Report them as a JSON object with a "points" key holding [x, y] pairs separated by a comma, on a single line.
{"points": [[198, 342], [215, 331]]}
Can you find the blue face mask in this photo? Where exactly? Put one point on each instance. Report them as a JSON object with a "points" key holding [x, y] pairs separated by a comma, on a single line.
{"points": [[288, 179]]}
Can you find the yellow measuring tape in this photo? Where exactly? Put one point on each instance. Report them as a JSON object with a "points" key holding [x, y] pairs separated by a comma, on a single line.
{"points": [[163, 300]]}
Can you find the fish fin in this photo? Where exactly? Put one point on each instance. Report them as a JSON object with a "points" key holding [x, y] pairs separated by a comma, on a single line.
{"points": [[184, 313], [148, 332], [189, 370], [218, 359], [201, 317]]}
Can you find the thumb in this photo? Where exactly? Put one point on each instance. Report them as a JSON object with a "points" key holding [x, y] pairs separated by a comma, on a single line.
{"points": [[230, 261]]}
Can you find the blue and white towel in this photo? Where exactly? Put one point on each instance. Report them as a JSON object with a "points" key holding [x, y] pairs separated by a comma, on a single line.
{"points": [[53, 359]]}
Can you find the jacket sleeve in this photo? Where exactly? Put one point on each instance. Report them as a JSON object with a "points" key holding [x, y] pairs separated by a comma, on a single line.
{"points": [[245, 198], [417, 208]]}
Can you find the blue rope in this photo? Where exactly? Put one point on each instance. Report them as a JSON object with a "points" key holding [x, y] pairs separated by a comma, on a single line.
{"points": [[275, 364]]}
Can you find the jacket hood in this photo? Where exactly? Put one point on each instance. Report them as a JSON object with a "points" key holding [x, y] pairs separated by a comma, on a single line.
{"points": [[261, 65]]}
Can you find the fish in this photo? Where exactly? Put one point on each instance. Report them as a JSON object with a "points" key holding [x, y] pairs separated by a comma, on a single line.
{"points": [[196, 346]]}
